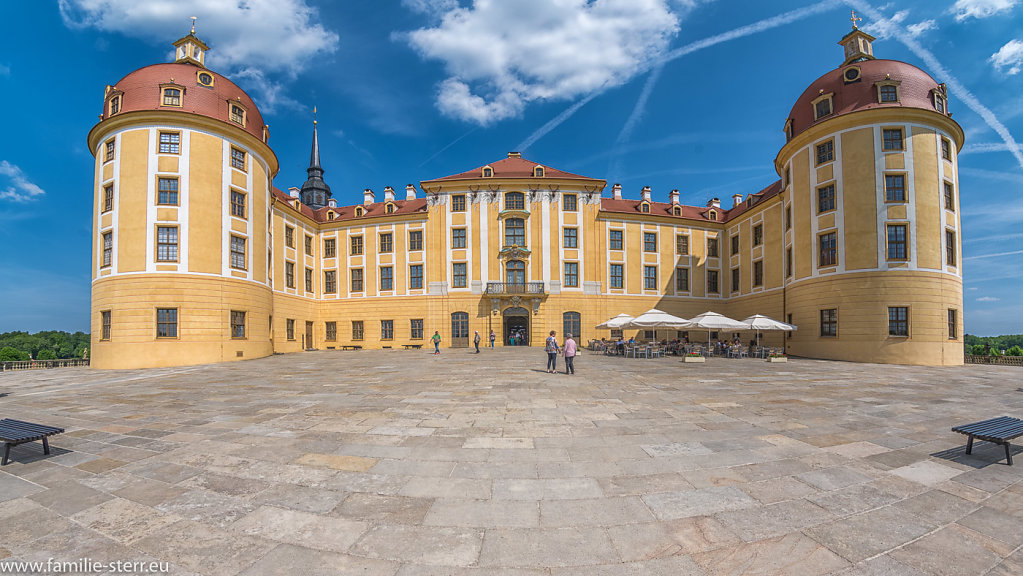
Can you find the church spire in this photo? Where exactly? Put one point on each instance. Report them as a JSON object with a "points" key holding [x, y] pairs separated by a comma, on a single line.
{"points": [[315, 192]]}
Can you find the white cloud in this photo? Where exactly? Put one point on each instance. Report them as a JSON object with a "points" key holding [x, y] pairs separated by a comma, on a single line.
{"points": [[987, 299], [19, 189], [921, 27], [964, 9], [275, 36], [1009, 56], [500, 56], [884, 28]]}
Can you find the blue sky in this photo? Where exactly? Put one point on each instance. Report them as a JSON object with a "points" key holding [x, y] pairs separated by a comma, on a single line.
{"points": [[687, 94]]}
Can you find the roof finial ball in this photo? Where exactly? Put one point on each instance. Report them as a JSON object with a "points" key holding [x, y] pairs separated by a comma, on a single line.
{"points": [[194, 18], [314, 115], [854, 18]]}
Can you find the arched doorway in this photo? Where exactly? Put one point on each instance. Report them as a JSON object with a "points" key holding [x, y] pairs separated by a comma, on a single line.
{"points": [[460, 330], [516, 326]]}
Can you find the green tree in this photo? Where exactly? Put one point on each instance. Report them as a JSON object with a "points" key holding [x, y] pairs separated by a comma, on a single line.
{"points": [[9, 354], [46, 354], [1014, 351]]}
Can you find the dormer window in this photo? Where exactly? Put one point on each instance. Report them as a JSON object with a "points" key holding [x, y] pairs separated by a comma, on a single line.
{"points": [[712, 215], [172, 96], [538, 172], [488, 172], [359, 211], [887, 91], [114, 106], [822, 106], [749, 201], [644, 207], [389, 208], [330, 215], [676, 210], [940, 102], [788, 130], [237, 114]]}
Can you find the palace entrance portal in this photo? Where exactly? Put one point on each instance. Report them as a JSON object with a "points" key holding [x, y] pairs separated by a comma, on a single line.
{"points": [[516, 325]]}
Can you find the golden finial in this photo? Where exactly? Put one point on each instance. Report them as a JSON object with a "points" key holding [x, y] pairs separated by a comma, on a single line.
{"points": [[194, 18], [855, 19], [314, 115]]}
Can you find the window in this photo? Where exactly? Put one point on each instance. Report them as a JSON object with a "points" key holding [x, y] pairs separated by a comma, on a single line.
{"points": [[387, 329], [758, 273], [108, 248], [712, 281], [735, 280], [829, 322], [946, 149], [682, 279], [237, 204], [167, 191], [898, 321], [237, 324], [330, 282], [104, 320], [712, 247], [238, 252], [172, 97], [386, 278], [682, 245], [386, 243], [788, 262], [290, 329], [415, 240], [416, 328], [356, 245], [458, 275], [953, 326], [939, 103], [237, 159], [115, 105], [458, 203], [108, 197], [167, 244], [676, 210], [896, 241], [788, 217], [357, 330], [571, 238], [170, 143], [415, 276], [712, 215], [829, 249], [488, 172], [458, 237], [166, 322], [616, 276], [571, 323], [289, 274], [110, 148], [735, 245], [329, 248], [950, 247], [237, 114], [330, 331], [822, 108], [569, 204], [892, 139], [950, 197], [515, 232], [644, 207], [649, 242], [826, 199], [515, 272], [758, 234], [514, 201], [538, 172], [650, 277], [359, 211], [889, 93], [616, 242], [572, 274], [289, 236], [826, 152], [390, 208], [308, 279], [788, 176], [895, 188], [356, 279], [308, 245]]}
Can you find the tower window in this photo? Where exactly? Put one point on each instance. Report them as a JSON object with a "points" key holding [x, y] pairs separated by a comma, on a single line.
{"points": [[238, 252], [237, 159], [172, 97], [108, 248], [110, 148], [825, 152], [950, 247], [888, 93], [829, 249], [237, 324], [826, 198], [166, 244], [822, 107], [356, 283], [108, 197], [289, 274], [170, 143], [897, 241], [386, 278], [105, 322], [895, 188], [115, 104], [946, 149], [166, 322], [758, 234], [950, 197], [167, 191], [829, 322], [237, 114], [939, 103], [898, 321], [237, 204], [892, 139]]}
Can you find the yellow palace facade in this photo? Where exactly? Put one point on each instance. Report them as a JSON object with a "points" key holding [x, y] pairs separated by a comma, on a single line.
{"points": [[198, 258]]}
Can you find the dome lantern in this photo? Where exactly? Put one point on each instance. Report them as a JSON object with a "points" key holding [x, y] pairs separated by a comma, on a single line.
{"points": [[857, 44], [190, 49]]}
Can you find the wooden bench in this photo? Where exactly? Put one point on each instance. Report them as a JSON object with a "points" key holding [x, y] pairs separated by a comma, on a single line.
{"points": [[14, 432], [997, 430], [413, 346], [351, 347]]}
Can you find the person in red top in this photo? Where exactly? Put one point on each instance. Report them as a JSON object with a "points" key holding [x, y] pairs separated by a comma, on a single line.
{"points": [[570, 350]]}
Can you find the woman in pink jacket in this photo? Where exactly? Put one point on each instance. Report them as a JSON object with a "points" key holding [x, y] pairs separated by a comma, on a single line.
{"points": [[571, 349]]}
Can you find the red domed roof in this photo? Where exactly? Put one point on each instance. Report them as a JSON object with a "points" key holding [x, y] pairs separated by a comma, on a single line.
{"points": [[914, 90], [140, 90]]}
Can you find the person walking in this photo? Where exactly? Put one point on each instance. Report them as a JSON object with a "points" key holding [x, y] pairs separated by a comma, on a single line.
{"points": [[436, 341], [476, 340], [552, 353], [492, 338], [571, 349]]}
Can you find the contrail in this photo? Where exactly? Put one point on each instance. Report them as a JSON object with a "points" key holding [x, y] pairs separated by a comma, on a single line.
{"points": [[452, 143], [637, 114], [981, 147], [1013, 253], [957, 88], [747, 30]]}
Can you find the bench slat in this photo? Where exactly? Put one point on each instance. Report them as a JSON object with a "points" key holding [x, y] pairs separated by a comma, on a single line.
{"points": [[1005, 434], [28, 426], [996, 430], [988, 422], [987, 425]]}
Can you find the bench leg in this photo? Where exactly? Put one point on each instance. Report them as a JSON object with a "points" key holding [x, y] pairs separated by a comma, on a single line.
{"points": [[46, 446], [1008, 453], [969, 445], [7, 453]]}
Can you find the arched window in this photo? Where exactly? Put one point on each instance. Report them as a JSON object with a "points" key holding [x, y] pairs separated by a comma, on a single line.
{"points": [[488, 172], [644, 207], [538, 172], [514, 201], [515, 272], [572, 324], [515, 232], [390, 208], [676, 210], [358, 211]]}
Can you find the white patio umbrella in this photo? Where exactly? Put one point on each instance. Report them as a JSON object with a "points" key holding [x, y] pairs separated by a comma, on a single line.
{"points": [[615, 323], [759, 322], [712, 321], [654, 318]]}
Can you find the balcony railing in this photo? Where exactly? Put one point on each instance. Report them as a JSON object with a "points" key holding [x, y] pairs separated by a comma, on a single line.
{"points": [[515, 288]]}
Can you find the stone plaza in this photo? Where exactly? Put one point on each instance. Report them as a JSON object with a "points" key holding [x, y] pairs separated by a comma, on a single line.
{"points": [[391, 462]]}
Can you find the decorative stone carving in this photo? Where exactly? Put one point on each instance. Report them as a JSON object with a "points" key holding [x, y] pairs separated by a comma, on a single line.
{"points": [[536, 305]]}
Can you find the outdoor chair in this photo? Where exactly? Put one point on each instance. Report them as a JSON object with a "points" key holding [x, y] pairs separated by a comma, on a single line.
{"points": [[997, 430], [14, 432]]}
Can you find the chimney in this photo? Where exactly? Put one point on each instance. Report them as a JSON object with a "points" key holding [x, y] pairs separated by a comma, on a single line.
{"points": [[332, 203], [673, 196], [367, 196], [515, 154], [646, 193], [714, 203], [616, 190], [293, 192], [736, 200], [388, 194], [410, 192]]}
